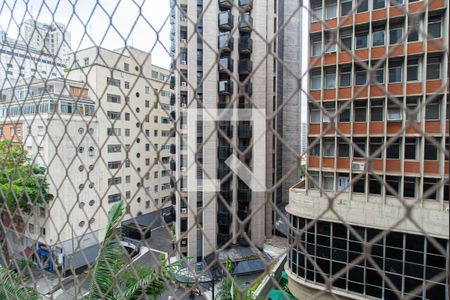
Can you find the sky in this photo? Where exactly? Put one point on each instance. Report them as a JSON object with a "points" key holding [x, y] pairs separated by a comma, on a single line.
{"points": [[111, 24]]}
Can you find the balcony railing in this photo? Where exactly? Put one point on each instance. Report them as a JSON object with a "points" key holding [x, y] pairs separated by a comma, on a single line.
{"points": [[225, 4], [246, 4], [245, 66], [226, 20], [225, 87], [225, 64], [225, 42], [245, 45], [246, 23]]}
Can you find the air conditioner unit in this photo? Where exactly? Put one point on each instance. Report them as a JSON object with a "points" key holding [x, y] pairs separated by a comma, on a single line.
{"points": [[394, 117], [184, 210], [358, 166], [183, 62], [183, 41], [183, 83]]}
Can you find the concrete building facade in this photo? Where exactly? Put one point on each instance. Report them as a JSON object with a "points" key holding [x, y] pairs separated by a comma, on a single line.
{"points": [[384, 169], [220, 61], [104, 135]]}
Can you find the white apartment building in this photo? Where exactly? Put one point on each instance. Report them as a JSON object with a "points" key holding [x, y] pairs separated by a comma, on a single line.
{"points": [[103, 133], [20, 63], [242, 77], [53, 39]]}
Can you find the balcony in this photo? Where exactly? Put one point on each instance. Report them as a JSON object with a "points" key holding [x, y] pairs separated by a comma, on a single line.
{"points": [[225, 4], [225, 42], [245, 45], [173, 149], [245, 66], [245, 131], [246, 4], [224, 217], [223, 152], [225, 87], [246, 23], [226, 20], [226, 128], [225, 65]]}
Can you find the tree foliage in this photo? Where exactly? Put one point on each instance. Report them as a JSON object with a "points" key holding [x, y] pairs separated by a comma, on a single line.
{"points": [[21, 183], [10, 287], [113, 279]]}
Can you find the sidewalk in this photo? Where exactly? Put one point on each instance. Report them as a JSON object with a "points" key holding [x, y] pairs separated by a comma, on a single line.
{"points": [[46, 282]]}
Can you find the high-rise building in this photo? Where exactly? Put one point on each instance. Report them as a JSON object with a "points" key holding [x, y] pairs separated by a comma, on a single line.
{"points": [[52, 39], [103, 133], [221, 61], [21, 63], [388, 77]]}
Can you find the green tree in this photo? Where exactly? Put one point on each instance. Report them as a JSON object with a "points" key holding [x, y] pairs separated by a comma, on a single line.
{"points": [[10, 287], [22, 185], [113, 279]]}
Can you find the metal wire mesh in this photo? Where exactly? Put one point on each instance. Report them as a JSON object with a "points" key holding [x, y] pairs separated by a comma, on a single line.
{"points": [[304, 136]]}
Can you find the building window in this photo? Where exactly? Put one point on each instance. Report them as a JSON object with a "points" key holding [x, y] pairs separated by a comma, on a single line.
{"points": [[330, 109], [433, 68], [316, 47], [412, 69], [86, 61], [114, 148], [413, 29], [374, 186], [429, 191], [393, 150], [360, 76], [394, 184], [114, 164], [330, 44], [409, 187], [114, 198], [395, 72], [31, 228], [112, 81], [432, 110], [346, 7], [346, 40], [395, 33], [394, 112], [127, 116], [410, 148], [315, 149], [155, 74], [127, 195], [379, 75], [412, 104], [344, 116], [359, 185], [363, 5], [328, 181], [361, 143], [343, 148], [345, 76], [113, 115], [314, 114], [114, 180], [330, 78], [434, 27], [113, 98], [126, 67], [361, 40], [360, 110], [377, 4], [127, 132], [431, 151], [314, 180], [315, 80], [374, 145], [378, 36], [376, 110], [331, 10], [127, 85], [328, 148], [317, 11]]}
